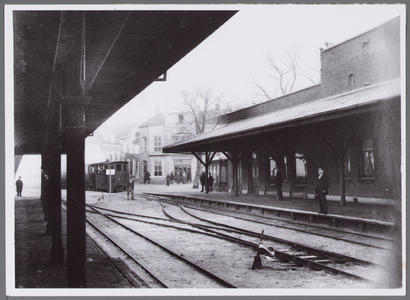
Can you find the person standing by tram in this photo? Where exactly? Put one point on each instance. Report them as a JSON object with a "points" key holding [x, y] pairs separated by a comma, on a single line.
{"points": [[130, 189]]}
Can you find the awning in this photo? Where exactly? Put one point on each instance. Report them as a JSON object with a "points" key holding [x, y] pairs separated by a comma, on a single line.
{"points": [[340, 105]]}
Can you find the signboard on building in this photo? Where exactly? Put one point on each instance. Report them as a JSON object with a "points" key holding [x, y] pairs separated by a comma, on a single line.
{"points": [[183, 162], [110, 172]]}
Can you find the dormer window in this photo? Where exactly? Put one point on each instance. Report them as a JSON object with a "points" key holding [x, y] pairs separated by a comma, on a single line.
{"points": [[351, 80]]}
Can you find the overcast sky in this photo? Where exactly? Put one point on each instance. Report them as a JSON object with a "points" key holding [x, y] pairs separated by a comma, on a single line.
{"points": [[235, 55]]}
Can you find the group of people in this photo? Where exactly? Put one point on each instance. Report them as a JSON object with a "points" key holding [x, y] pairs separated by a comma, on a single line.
{"points": [[210, 182], [179, 177]]}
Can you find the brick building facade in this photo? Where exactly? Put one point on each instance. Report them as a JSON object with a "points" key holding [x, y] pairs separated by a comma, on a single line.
{"points": [[349, 124]]}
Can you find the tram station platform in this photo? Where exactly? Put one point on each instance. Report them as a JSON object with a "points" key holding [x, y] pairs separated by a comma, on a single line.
{"points": [[372, 209], [32, 254]]}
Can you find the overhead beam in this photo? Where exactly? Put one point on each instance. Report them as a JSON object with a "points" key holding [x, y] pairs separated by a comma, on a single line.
{"points": [[101, 63]]}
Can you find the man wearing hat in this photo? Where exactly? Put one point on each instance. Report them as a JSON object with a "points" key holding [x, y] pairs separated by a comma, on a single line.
{"points": [[19, 186], [130, 189], [321, 190]]}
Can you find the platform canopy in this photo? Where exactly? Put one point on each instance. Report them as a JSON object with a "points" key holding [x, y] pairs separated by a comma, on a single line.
{"points": [[230, 136], [77, 68]]}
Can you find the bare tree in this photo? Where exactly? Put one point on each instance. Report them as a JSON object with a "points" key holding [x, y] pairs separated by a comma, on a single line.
{"points": [[198, 103], [284, 73]]}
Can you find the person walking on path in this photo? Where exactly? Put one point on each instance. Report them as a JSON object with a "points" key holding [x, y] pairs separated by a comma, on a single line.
{"points": [[210, 182], [19, 186], [202, 180], [278, 183], [321, 190], [130, 189]]}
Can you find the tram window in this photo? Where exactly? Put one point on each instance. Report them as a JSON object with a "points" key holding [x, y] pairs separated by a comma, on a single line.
{"points": [[101, 170], [91, 170], [125, 167], [118, 167]]}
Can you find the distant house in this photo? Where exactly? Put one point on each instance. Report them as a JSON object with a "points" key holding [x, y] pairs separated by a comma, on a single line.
{"points": [[160, 130]]}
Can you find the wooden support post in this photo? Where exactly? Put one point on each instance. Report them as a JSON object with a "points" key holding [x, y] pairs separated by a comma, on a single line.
{"points": [[76, 238], [54, 195]]}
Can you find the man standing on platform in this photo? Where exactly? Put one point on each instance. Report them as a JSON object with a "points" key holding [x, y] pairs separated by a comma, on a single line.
{"points": [[202, 180], [278, 183], [19, 186], [130, 189], [210, 182], [321, 190]]}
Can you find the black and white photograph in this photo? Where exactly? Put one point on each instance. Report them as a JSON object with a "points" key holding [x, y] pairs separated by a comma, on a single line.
{"points": [[205, 150]]}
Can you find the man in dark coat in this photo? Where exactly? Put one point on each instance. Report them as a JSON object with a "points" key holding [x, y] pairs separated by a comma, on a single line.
{"points": [[321, 190], [130, 189], [210, 182], [202, 180], [19, 186], [278, 183]]}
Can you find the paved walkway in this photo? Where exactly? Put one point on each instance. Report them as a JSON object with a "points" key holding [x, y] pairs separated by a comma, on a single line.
{"points": [[32, 249]]}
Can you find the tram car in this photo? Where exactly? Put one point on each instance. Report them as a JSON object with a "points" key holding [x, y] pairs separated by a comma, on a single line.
{"points": [[98, 175]]}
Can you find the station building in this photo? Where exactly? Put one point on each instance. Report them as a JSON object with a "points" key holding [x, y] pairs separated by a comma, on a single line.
{"points": [[349, 124]]}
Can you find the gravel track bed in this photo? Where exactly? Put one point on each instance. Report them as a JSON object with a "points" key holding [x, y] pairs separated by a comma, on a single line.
{"points": [[170, 270], [231, 260], [366, 253], [301, 226]]}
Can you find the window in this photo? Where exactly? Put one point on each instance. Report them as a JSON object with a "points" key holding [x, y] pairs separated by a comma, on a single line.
{"points": [[118, 167], [91, 170], [144, 145], [272, 173], [301, 168], [347, 164], [137, 138], [351, 80], [367, 164], [157, 144], [101, 170], [181, 118], [157, 167], [179, 137]]}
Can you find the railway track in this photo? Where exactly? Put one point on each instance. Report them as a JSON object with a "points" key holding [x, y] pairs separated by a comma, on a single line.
{"points": [[288, 254], [158, 260], [358, 238]]}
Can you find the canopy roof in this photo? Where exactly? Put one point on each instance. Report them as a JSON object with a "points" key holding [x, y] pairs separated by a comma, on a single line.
{"points": [[346, 104], [101, 59]]}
